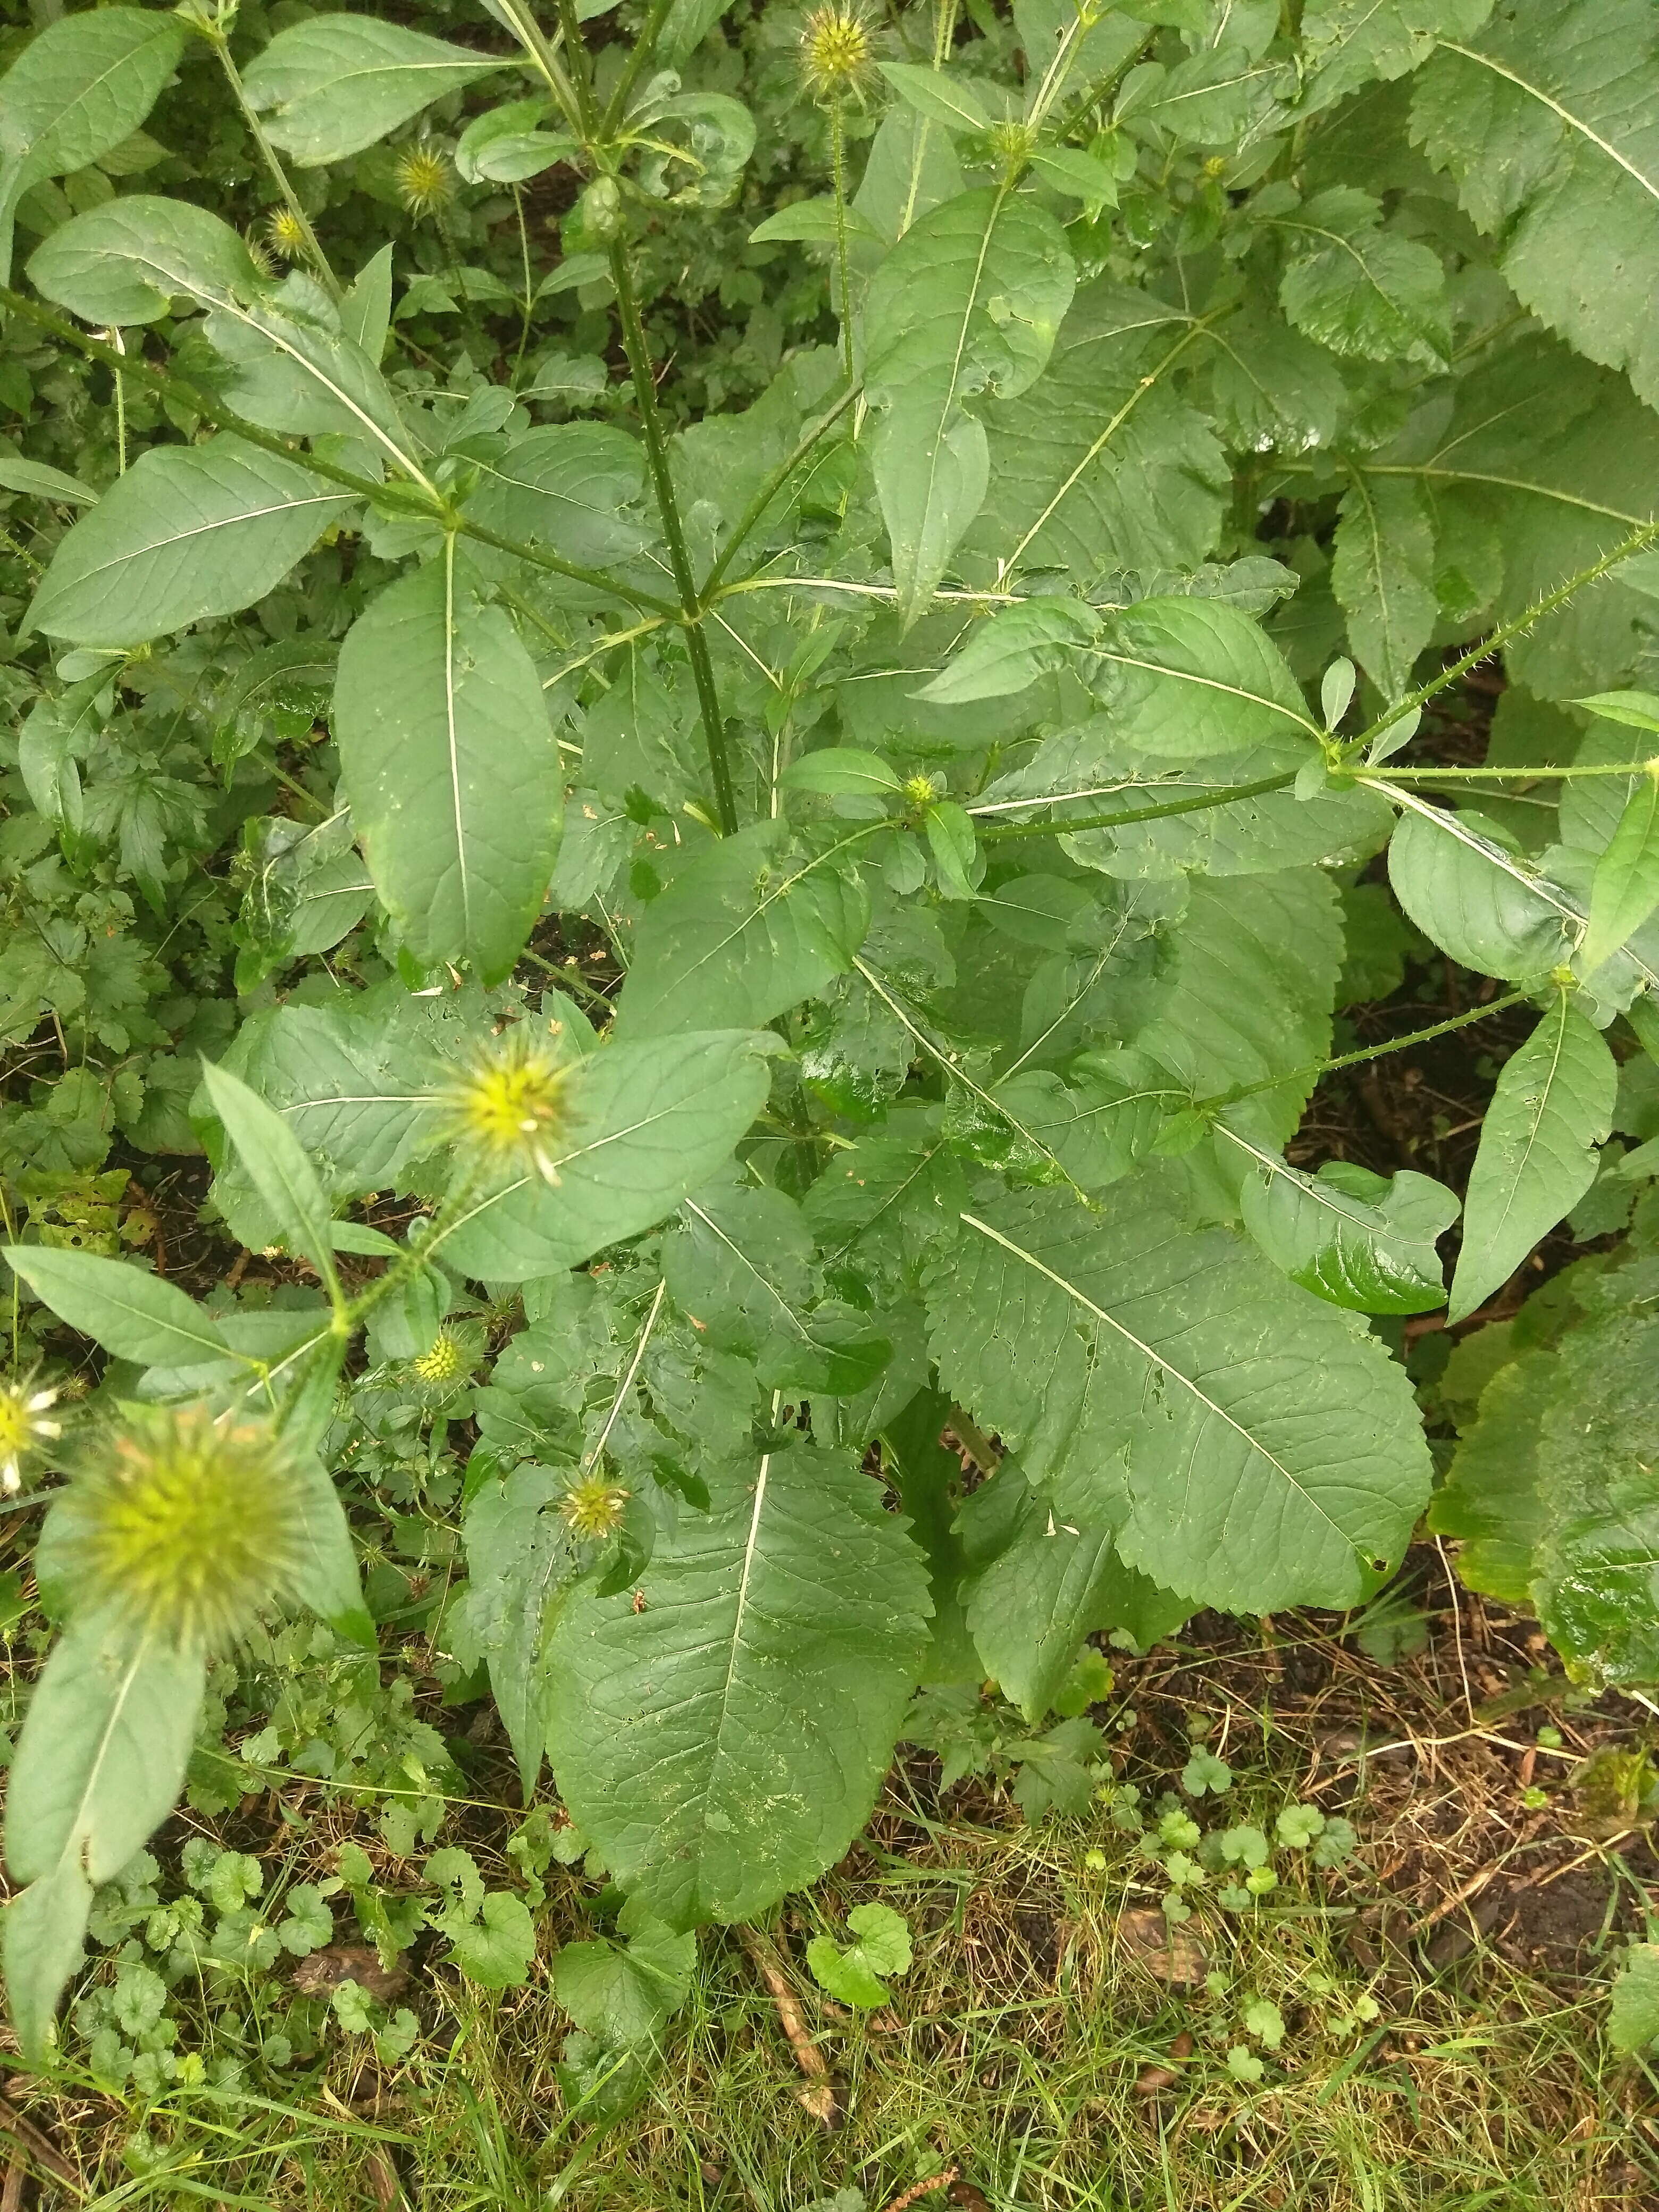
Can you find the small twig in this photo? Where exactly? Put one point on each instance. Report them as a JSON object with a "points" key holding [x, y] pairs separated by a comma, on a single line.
{"points": [[40, 2148], [923, 2189], [820, 2100]]}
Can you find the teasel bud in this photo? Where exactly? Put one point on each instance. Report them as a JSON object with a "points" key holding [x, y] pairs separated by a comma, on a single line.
{"points": [[592, 1507], [423, 178], [508, 1105], [837, 53], [193, 1528]]}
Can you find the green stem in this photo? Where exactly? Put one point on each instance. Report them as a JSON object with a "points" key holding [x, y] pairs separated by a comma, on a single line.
{"points": [[644, 47], [1501, 636], [581, 76], [843, 270], [529, 288], [212, 409], [656, 454], [272, 160], [768, 491], [1193, 805], [120, 346], [1510, 775], [1315, 1068], [528, 33]]}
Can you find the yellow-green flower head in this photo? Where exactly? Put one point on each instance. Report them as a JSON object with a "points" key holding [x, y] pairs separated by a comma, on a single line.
{"points": [[1011, 142], [443, 1371], [837, 53], [423, 178], [24, 1427], [285, 234], [193, 1528], [920, 793], [592, 1508], [508, 1107]]}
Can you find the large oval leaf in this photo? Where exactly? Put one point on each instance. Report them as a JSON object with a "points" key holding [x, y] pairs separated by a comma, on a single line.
{"points": [[723, 1741], [332, 86], [451, 768]]}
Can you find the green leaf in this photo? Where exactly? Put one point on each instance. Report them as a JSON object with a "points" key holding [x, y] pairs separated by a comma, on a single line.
{"points": [[949, 99], [1037, 1585], [1349, 43], [190, 531], [1464, 886], [725, 1744], [83, 84], [575, 485], [36, 481], [1271, 389], [971, 298], [1490, 1500], [332, 85], [277, 1165], [1545, 121], [127, 261], [852, 1976], [813, 222], [837, 770], [739, 1265], [1099, 464], [747, 930], [925, 1474], [1189, 677], [519, 1553], [131, 1313], [1625, 889], [649, 1122], [1552, 1106], [623, 1995], [1595, 1583], [1382, 573], [1010, 651], [328, 1580], [1078, 175], [1633, 2013], [497, 1949], [1360, 289], [1218, 97], [1361, 1240], [1639, 710], [451, 768], [1257, 1449], [100, 1764]]}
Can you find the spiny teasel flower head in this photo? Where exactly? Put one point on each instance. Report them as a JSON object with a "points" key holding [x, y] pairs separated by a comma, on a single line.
{"points": [[25, 1426], [422, 177], [508, 1106], [919, 793], [1010, 143], [443, 1370], [285, 235], [592, 1507], [190, 1527], [837, 52]]}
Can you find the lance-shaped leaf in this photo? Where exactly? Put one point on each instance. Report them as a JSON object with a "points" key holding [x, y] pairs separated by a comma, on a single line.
{"points": [[277, 1165], [101, 1760], [1552, 1107], [125, 262], [450, 769], [519, 1553], [1545, 119], [81, 85], [1016, 645], [332, 86], [647, 1123], [131, 1313], [968, 300], [1626, 888], [1382, 573], [188, 532], [747, 930], [1361, 1240], [1255, 1447], [722, 1742]]}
